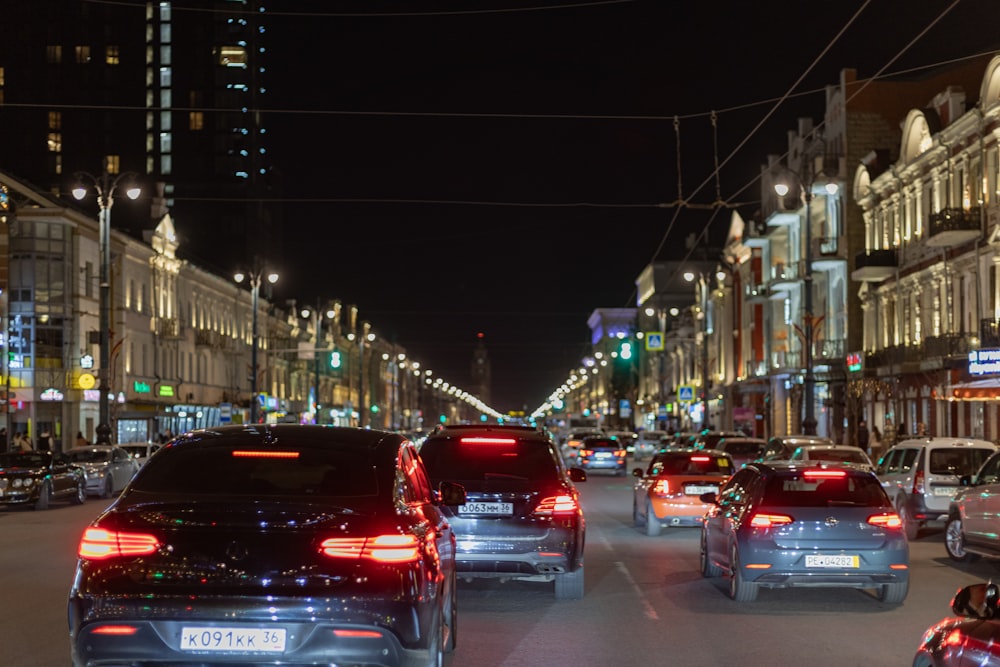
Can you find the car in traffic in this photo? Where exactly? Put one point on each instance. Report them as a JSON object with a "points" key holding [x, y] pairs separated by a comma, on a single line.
{"points": [[847, 454], [140, 451], [970, 531], [108, 467], [968, 638], [709, 439], [742, 449], [574, 439], [922, 475], [522, 517], [270, 544], [647, 443], [785, 524], [668, 492], [36, 478], [780, 447], [605, 453], [628, 439]]}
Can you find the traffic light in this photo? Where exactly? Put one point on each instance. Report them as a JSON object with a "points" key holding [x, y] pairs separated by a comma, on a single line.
{"points": [[625, 349], [336, 360]]}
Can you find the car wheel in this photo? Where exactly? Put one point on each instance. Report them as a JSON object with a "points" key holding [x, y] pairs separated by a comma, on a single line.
{"points": [[569, 585], [44, 496], [954, 540], [708, 568], [740, 589], [81, 493], [435, 652], [893, 593], [910, 525], [109, 487], [451, 614], [652, 523]]}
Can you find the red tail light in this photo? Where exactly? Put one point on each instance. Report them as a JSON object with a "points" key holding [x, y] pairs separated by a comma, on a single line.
{"points": [[382, 548], [661, 488], [564, 505], [887, 520], [586, 452], [621, 453], [487, 441], [918, 482], [770, 520], [824, 473], [115, 630], [101, 544]]}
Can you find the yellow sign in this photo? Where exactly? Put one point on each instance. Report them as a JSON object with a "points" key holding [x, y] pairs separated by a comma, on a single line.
{"points": [[87, 381]]}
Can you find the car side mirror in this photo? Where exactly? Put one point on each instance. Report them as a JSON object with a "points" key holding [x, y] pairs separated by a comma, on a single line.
{"points": [[577, 475], [450, 493], [977, 601], [709, 498]]}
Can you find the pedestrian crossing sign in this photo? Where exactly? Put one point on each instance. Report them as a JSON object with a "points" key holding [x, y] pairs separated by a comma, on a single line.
{"points": [[654, 341], [685, 393]]}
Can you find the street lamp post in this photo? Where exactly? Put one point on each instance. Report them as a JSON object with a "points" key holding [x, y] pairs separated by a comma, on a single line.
{"points": [[806, 180], [254, 278], [318, 347], [105, 185], [706, 329]]}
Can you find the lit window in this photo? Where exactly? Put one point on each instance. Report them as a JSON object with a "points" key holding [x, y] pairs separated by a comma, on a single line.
{"points": [[55, 142], [111, 55], [82, 54], [53, 53], [196, 120], [55, 120], [232, 56]]}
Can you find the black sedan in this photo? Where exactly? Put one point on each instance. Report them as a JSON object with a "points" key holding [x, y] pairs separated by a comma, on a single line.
{"points": [[257, 545], [36, 478], [970, 637]]}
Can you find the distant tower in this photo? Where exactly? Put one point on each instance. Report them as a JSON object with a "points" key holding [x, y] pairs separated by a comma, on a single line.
{"points": [[480, 373]]}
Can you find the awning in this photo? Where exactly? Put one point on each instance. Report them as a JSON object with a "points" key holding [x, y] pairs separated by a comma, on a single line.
{"points": [[977, 390]]}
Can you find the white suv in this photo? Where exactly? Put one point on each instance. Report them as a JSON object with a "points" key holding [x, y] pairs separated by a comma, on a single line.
{"points": [[921, 476]]}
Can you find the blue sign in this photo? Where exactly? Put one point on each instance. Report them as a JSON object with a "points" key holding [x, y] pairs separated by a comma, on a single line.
{"points": [[654, 341], [685, 393]]}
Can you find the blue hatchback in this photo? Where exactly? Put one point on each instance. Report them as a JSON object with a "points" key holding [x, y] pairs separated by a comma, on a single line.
{"points": [[786, 524]]}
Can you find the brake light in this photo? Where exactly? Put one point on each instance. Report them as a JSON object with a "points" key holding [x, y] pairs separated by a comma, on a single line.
{"points": [[621, 453], [661, 488], [769, 520], [101, 544], [564, 505], [918, 482], [586, 452], [887, 520], [381, 548], [824, 473], [115, 630], [487, 441], [263, 454], [701, 459]]}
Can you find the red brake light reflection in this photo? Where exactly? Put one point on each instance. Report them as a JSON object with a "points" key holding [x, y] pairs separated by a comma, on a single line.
{"points": [[100, 544], [557, 506]]}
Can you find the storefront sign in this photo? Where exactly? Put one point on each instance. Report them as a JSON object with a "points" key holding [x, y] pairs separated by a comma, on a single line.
{"points": [[984, 362]]}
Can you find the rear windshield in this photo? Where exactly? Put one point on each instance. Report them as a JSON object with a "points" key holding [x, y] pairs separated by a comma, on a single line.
{"points": [[841, 455], [468, 459], [224, 470], [89, 456], [799, 491], [689, 463], [957, 460], [602, 442], [743, 448]]}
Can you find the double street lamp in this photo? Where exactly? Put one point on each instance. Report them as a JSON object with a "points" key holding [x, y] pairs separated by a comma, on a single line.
{"points": [[317, 314], [254, 277], [105, 185], [706, 329]]}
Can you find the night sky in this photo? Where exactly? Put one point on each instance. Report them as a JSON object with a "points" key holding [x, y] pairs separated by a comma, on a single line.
{"points": [[509, 167]]}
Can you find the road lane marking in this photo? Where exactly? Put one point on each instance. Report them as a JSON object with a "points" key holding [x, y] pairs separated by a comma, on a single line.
{"points": [[649, 612]]}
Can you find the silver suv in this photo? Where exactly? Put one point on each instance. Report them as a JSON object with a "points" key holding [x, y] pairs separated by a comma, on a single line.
{"points": [[971, 528], [921, 476]]}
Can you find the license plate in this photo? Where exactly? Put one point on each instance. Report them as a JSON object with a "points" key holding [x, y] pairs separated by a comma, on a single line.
{"points": [[271, 640], [693, 490], [602, 455], [832, 561], [944, 491], [486, 508]]}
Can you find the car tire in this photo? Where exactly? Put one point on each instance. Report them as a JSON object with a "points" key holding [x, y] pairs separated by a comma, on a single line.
{"points": [[636, 519], [451, 615], [740, 589], [44, 497], [569, 585], [435, 649], [954, 540], [708, 568], [80, 497], [893, 593], [109, 487], [652, 523], [911, 527]]}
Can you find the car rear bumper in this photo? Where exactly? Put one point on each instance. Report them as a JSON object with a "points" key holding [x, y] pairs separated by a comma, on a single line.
{"points": [[120, 631]]}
